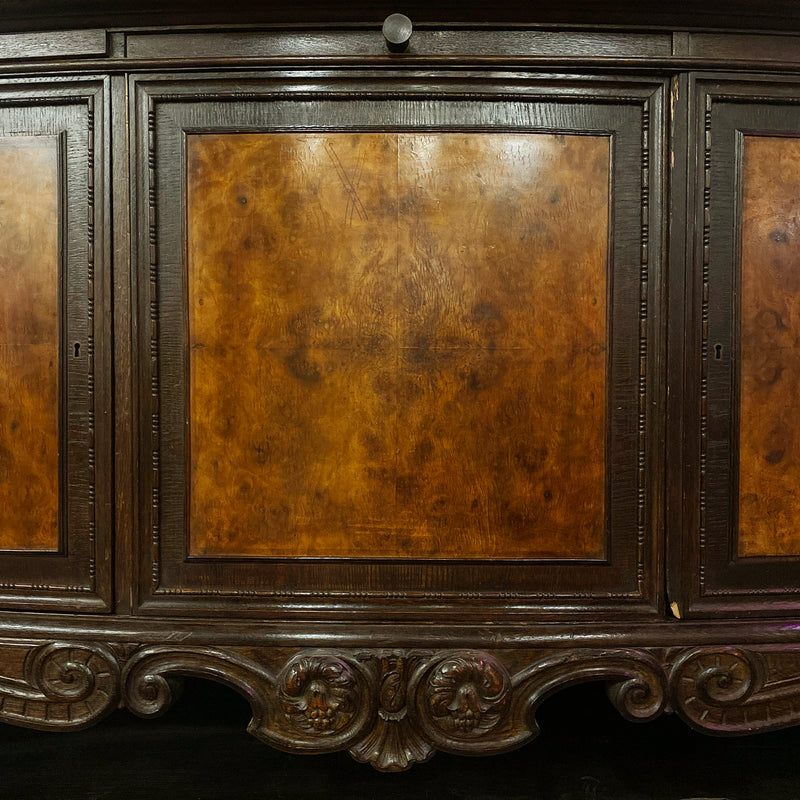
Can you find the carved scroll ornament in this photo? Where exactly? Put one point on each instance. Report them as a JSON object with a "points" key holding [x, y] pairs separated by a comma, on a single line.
{"points": [[395, 708]]}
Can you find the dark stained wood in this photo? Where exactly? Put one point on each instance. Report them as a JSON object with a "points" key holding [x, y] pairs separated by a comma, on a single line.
{"points": [[55, 398], [532, 631], [738, 506], [445, 42], [29, 340], [741, 14], [503, 631], [173, 576], [732, 46], [417, 327], [680, 338], [769, 456], [368, 43], [125, 485], [45, 45], [510, 625], [443, 353]]}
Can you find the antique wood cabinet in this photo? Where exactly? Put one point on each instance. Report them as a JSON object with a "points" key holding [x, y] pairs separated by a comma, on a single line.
{"points": [[397, 381]]}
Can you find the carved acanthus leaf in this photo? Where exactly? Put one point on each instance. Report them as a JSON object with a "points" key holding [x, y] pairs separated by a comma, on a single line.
{"points": [[319, 693], [396, 708]]}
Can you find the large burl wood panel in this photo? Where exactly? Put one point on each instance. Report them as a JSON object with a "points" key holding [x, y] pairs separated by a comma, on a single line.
{"points": [[29, 258], [397, 344], [769, 445]]}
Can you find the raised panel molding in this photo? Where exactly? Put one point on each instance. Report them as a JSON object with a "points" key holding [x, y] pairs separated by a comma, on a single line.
{"points": [[631, 113], [393, 708], [74, 573], [394, 657], [720, 574]]}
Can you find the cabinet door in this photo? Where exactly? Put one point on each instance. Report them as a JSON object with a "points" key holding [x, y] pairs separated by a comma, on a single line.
{"points": [[399, 344], [54, 409], [744, 521]]}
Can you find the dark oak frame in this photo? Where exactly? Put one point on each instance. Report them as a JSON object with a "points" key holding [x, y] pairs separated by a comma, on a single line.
{"points": [[385, 678], [630, 114], [717, 581], [78, 576]]}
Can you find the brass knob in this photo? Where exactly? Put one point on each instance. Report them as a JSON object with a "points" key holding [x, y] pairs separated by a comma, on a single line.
{"points": [[397, 30]]}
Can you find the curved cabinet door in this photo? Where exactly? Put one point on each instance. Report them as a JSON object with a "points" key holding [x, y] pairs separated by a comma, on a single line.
{"points": [[743, 523], [399, 352], [55, 479]]}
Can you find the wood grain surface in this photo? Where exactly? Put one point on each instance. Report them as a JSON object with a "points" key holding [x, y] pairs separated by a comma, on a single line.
{"points": [[29, 256], [769, 428], [397, 344]]}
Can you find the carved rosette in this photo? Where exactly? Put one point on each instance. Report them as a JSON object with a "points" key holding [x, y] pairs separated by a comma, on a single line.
{"points": [[461, 702], [393, 709], [319, 694], [322, 701], [467, 695]]}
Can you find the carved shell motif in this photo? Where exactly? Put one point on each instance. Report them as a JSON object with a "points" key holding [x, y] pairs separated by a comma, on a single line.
{"points": [[393, 744], [468, 695], [319, 693]]}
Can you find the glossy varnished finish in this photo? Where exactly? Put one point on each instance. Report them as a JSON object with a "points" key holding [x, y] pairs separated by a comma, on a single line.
{"points": [[740, 278], [417, 327], [769, 455], [354, 307], [740, 526], [777, 15], [55, 391], [29, 341], [384, 656]]}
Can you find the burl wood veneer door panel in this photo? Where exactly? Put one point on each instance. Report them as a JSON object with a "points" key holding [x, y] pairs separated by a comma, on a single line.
{"points": [[417, 327], [769, 389], [747, 358], [29, 273], [54, 411], [401, 352]]}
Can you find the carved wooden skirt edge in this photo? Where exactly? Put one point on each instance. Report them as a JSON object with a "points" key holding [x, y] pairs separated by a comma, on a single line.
{"points": [[393, 708]]}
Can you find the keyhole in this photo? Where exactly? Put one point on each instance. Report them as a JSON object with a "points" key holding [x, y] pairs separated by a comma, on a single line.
{"points": [[718, 351], [77, 349]]}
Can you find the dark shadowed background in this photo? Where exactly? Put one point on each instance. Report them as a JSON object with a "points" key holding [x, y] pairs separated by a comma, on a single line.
{"points": [[585, 751]]}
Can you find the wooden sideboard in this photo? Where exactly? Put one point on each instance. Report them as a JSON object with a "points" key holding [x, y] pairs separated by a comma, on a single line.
{"points": [[399, 387]]}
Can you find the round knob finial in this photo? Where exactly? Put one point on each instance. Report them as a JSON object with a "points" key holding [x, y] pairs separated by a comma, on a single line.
{"points": [[397, 30]]}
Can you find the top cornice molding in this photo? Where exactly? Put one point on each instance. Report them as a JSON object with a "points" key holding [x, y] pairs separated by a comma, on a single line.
{"points": [[746, 15]]}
